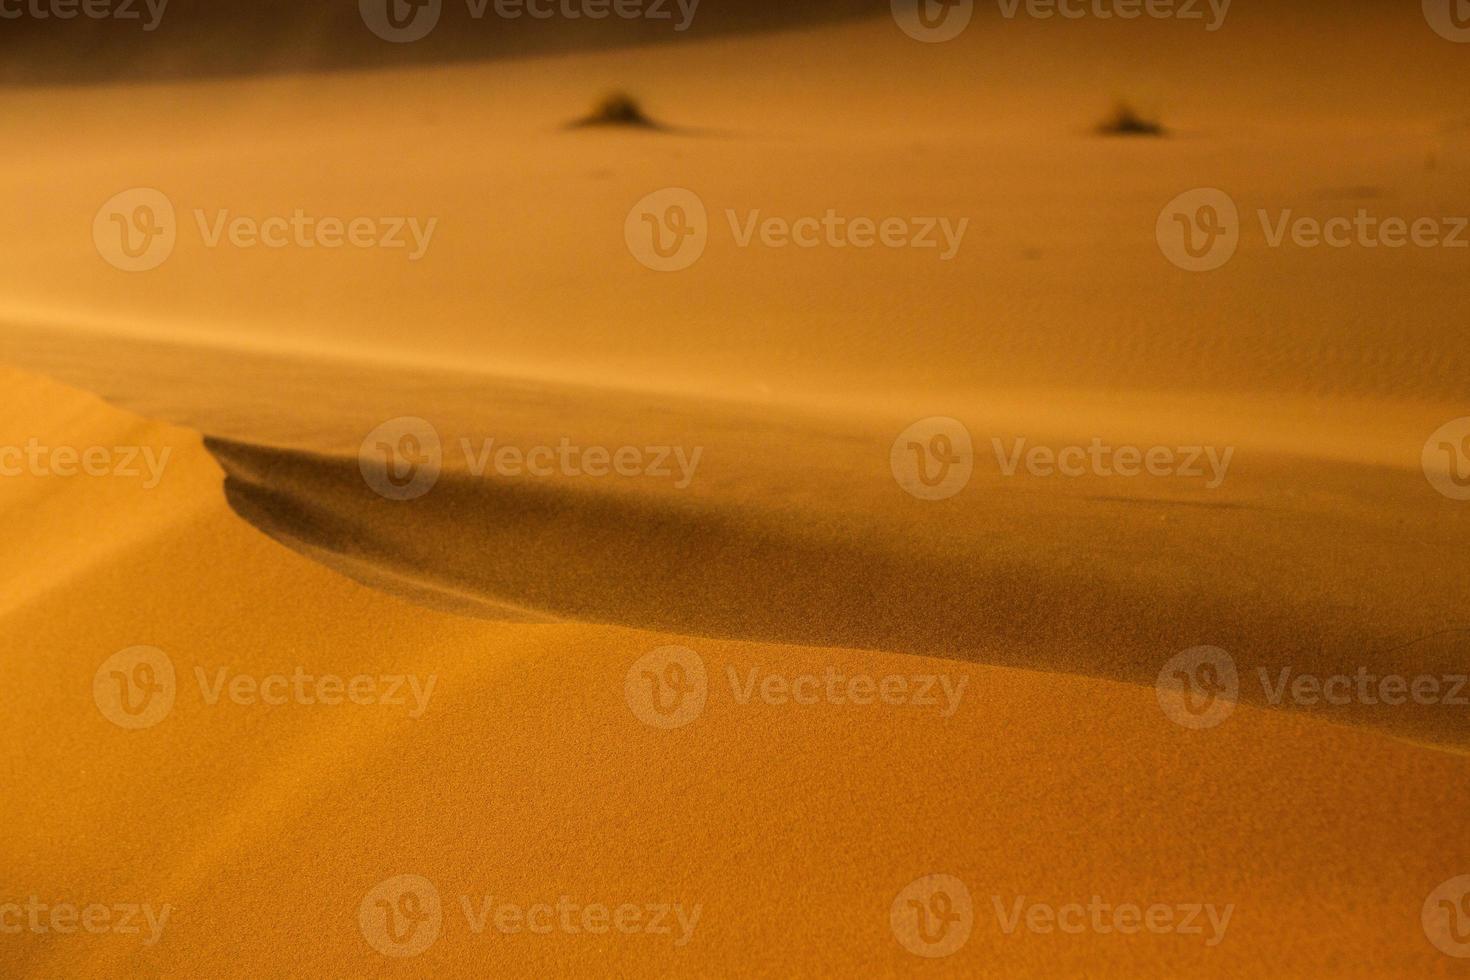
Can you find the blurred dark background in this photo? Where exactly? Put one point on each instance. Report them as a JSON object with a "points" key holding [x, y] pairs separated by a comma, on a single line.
{"points": [[221, 38]]}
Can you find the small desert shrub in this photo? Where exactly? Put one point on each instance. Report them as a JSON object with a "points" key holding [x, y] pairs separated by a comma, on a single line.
{"points": [[1125, 122], [618, 109]]}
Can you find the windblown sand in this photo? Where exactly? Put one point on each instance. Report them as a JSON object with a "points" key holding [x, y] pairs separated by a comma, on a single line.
{"points": [[791, 550]]}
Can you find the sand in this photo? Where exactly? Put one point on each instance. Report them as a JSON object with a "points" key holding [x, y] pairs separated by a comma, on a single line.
{"points": [[779, 544]]}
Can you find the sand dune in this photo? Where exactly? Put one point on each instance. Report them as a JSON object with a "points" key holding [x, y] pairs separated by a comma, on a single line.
{"points": [[528, 778], [326, 498], [736, 536]]}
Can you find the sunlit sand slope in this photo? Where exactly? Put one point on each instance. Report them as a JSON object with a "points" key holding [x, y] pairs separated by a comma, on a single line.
{"points": [[528, 777]]}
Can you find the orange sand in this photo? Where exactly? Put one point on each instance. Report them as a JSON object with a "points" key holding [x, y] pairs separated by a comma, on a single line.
{"points": [[791, 828]]}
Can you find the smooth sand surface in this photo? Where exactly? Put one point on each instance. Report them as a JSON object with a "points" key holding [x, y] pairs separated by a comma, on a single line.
{"points": [[529, 778], [791, 550]]}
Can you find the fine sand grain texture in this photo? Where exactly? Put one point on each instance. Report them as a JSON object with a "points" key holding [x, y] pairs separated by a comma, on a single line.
{"points": [[750, 672]]}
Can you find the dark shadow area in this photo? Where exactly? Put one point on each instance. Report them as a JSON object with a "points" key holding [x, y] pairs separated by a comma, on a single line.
{"points": [[226, 38]]}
